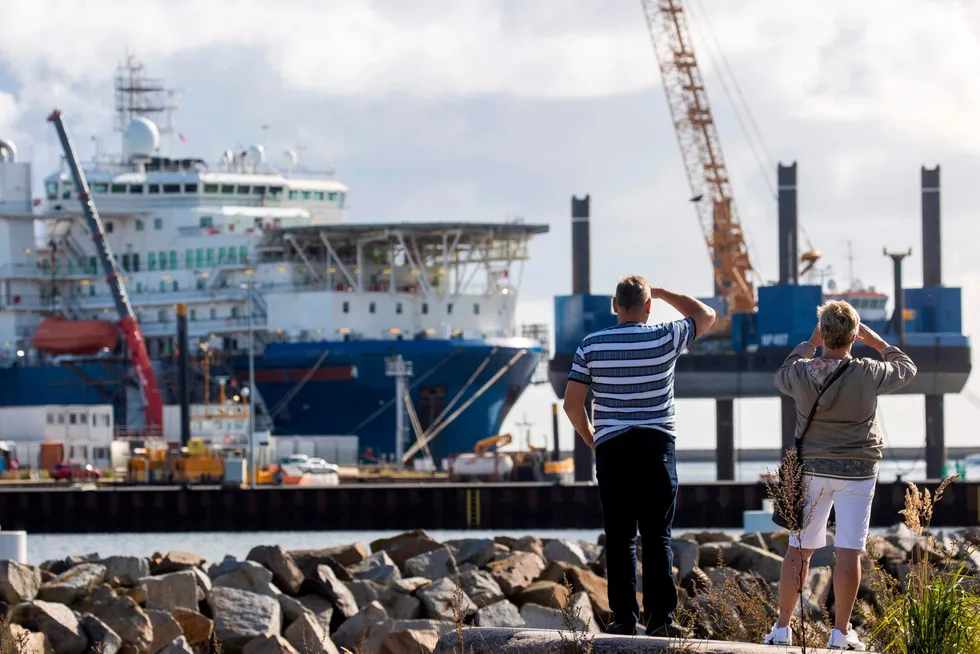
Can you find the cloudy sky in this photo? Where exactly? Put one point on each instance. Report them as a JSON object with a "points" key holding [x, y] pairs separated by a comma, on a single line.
{"points": [[482, 110]]}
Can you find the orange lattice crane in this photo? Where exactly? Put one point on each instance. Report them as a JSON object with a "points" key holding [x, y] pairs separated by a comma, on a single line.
{"points": [[711, 188]]}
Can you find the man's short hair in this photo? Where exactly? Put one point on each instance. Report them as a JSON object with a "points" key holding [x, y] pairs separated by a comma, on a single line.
{"points": [[839, 323], [632, 292]]}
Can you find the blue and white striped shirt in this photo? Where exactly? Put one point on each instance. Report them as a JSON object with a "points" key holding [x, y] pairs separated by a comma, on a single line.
{"points": [[631, 370]]}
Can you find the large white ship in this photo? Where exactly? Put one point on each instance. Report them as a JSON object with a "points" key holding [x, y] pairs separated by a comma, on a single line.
{"points": [[247, 244]]}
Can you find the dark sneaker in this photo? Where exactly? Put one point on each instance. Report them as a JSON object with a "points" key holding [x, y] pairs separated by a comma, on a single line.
{"points": [[623, 628], [669, 630]]}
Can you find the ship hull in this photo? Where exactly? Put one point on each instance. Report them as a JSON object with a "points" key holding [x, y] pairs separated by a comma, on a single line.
{"points": [[349, 391], [338, 388]]}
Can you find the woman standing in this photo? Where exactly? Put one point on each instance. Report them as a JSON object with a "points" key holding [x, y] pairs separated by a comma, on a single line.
{"points": [[840, 454]]}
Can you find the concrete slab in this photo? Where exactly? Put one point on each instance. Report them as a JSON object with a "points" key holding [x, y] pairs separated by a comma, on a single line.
{"points": [[515, 641]]}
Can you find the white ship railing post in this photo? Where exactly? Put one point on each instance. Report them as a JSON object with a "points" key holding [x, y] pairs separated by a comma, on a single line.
{"points": [[397, 367], [251, 385]]}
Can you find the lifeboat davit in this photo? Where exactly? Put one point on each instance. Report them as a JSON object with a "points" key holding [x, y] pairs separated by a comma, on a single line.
{"points": [[58, 335]]}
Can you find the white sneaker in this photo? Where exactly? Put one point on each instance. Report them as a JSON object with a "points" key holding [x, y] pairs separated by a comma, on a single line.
{"points": [[779, 636], [850, 641]]}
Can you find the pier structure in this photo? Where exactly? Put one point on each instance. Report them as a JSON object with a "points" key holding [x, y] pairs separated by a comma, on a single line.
{"points": [[927, 323]]}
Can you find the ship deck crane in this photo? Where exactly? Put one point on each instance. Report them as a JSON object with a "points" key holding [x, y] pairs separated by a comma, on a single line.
{"points": [[707, 174], [135, 342]]}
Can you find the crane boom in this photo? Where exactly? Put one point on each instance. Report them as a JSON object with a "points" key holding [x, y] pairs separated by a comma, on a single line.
{"points": [[711, 188], [127, 318]]}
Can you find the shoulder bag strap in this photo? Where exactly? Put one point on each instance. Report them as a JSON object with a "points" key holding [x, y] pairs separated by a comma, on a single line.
{"points": [[813, 411]]}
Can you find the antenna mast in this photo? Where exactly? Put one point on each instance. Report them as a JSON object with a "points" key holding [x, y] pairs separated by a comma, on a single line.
{"points": [[139, 96]]}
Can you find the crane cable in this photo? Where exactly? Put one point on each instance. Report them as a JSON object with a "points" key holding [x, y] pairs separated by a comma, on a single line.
{"points": [[433, 432], [751, 132], [417, 426], [746, 132]]}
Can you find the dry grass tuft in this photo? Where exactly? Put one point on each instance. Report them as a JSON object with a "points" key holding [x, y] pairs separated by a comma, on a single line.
{"points": [[580, 641]]}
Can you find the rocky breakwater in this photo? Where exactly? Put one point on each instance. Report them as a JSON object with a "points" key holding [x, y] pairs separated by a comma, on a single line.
{"points": [[398, 595]]}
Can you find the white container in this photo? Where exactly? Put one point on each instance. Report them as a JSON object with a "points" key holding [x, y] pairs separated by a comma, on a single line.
{"points": [[760, 521], [482, 466], [13, 546]]}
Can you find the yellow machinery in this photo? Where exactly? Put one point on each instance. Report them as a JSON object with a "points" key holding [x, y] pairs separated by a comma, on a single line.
{"points": [[158, 462], [496, 442]]}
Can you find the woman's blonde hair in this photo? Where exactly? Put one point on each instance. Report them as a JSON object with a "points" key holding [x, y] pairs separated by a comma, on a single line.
{"points": [[839, 323]]}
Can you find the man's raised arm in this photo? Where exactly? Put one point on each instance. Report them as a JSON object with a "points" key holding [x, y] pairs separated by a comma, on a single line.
{"points": [[689, 307]]}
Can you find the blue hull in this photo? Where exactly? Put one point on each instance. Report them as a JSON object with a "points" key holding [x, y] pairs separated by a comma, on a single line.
{"points": [[347, 393], [351, 394]]}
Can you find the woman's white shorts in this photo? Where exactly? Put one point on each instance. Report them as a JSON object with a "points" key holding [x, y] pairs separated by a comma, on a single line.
{"points": [[851, 499]]}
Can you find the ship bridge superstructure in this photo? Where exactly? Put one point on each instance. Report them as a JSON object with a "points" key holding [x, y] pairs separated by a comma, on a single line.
{"points": [[351, 281]]}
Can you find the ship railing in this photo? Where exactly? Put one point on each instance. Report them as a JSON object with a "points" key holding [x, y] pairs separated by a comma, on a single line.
{"points": [[36, 271], [218, 325], [127, 433]]}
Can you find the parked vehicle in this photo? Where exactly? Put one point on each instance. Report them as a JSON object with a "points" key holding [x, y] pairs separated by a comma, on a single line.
{"points": [[73, 471], [319, 466]]}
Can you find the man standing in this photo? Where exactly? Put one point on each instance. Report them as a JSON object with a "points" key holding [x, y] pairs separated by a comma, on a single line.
{"points": [[630, 370]]}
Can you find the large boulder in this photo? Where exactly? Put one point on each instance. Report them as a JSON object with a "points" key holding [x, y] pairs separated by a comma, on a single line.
{"points": [[101, 638], [442, 600], [565, 551], [365, 592], [530, 544], [517, 571], [687, 555], [73, 584], [752, 559], [179, 645], [584, 581], [325, 583], [169, 591], [377, 567], [481, 587], [345, 555], [165, 629], [285, 573], [712, 555], [478, 551], [124, 616], [410, 641], [500, 614], [269, 644], [55, 621], [365, 631], [543, 593], [580, 609], [322, 610], [196, 627], [399, 601], [25, 641], [18, 582], [249, 576], [126, 570], [308, 636], [240, 616], [175, 561], [434, 564], [405, 546], [402, 607], [392, 542]]}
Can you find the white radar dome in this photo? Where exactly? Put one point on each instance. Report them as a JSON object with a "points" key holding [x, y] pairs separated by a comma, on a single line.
{"points": [[8, 151], [291, 157], [255, 155], [141, 138]]}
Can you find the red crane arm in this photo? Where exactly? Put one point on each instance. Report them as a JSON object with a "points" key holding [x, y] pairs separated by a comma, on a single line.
{"points": [[127, 318]]}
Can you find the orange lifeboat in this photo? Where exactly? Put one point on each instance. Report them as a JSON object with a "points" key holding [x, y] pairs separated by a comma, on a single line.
{"points": [[58, 335]]}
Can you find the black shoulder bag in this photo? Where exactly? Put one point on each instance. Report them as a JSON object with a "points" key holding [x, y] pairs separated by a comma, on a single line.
{"points": [[779, 513]]}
